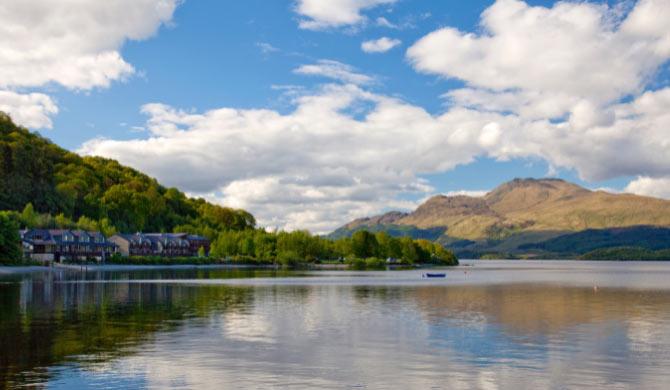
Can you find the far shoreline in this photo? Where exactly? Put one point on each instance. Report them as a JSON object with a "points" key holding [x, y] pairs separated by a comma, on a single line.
{"points": [[23, 269]]}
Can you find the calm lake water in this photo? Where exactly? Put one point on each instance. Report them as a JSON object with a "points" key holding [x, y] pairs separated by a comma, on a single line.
{"points": [[488, 325]]}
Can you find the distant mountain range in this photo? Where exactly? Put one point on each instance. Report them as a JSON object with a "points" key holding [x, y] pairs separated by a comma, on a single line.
{"points": [[531, 218]]}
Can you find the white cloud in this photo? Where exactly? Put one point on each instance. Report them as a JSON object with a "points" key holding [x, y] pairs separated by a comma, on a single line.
{"points": [[383, 22], [551, 61], [561, 73], [319, 14], [335, 70], [72, 43], [472, 193], [266, 48], [572, 48], [380, 45], [647, 186], [31, 110]]}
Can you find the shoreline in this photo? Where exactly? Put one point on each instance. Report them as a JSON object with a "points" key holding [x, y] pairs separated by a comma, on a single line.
{"points": [[23, 269], [19, 269]]}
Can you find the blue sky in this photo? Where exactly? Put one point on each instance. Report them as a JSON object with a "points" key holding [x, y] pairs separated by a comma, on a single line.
{"points": [[180, 63]]}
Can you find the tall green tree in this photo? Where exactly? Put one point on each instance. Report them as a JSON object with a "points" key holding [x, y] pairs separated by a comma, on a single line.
{"points": [[10, 242], [364, 244]]}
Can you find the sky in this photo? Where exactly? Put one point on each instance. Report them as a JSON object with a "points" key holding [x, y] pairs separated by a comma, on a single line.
{"points": [[310, 113]]}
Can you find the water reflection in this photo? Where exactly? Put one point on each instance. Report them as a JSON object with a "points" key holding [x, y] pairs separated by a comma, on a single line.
{"points": [[114, 330]]}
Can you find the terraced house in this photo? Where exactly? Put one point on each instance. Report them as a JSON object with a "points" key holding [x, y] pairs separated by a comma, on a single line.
{"points": [[62, 244], [160, 244]]}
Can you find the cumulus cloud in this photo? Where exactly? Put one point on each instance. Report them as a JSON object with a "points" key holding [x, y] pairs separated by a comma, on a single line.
{"points": [[547, 62], [564, 74], [70, 43], [31, 110], [647, 186], [73, 43], [334, 70], [319, 14], [380, 45]]}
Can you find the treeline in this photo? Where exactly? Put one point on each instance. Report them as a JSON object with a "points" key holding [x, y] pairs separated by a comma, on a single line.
{"points": [[648, 237], [627, 253], [292, 248], [65, 189]]}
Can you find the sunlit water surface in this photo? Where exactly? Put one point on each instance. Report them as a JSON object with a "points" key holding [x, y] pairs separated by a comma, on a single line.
{"points": [[488, 324]]}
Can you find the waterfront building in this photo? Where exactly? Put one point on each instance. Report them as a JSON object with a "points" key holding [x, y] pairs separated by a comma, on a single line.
{"points": [[160, 244], [62, 244]]}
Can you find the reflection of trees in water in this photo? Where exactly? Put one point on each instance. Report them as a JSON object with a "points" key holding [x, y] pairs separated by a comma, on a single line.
{"points": [[44, 321], [365, 294]]}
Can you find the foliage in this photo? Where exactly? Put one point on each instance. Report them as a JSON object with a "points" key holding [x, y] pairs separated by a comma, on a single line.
{"points": [[391, 229], [10, 243], [649, 237], [52, 187], [627, 253], [298, 247], [364, 244]]}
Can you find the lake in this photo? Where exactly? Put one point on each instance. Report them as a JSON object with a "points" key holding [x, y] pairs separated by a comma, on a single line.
{"points": [[488, 325]]}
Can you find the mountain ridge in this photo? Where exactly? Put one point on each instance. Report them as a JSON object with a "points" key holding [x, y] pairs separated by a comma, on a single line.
{"points": [[525, 209]]}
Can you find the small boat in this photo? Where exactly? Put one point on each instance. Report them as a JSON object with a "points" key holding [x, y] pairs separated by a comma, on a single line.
{"points": [[434, 275]]}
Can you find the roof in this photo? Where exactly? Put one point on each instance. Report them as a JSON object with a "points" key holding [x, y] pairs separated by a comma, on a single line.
{"points": [[162, 238], [54, 236]]}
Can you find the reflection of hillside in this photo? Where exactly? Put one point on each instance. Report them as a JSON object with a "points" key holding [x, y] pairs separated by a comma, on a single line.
{"points": [[44, 322], [524, 309]]}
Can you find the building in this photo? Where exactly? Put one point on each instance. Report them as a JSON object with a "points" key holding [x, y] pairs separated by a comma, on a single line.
{"points": [[160, 244], [63, 244]]}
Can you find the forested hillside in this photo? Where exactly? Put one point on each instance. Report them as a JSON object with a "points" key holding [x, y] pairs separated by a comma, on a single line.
{"points": [[50, 186]]}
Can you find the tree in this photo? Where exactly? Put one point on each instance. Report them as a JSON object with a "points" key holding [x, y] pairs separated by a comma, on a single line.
{"points": [[409, 250], [10, 242], [85, 223], [201, 252], [29, 216], [444, 256], [106, 227], [364, 244]]}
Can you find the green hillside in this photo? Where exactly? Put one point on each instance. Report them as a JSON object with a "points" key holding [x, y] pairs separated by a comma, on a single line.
{"points": [[51, 187]]}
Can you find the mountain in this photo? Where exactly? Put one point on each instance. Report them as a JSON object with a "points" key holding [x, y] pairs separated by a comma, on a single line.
{"points": [[520, 215], [50, 186]]}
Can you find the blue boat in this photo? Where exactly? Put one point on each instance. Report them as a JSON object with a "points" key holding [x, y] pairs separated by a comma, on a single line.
{"points": [[434, 275]]}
